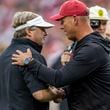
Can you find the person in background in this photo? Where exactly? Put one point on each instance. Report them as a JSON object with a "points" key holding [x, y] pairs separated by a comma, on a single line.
{"points": [[98, 19], [88, 72], [18, 90]]}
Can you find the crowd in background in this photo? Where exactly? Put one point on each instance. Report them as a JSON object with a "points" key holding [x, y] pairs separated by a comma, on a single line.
{"points": [[43, 7], [56, 41]]}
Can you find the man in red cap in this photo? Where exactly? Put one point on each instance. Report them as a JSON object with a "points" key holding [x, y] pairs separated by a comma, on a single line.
{"points": [[88, 72]]}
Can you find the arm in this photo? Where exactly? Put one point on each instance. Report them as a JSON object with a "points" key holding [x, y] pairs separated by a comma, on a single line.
{"points": [[39, 90], [84, 63], [47, 95], [43, 95]]}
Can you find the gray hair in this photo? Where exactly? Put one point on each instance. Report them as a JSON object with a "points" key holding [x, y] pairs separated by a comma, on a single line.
{"points": [[21, 18]]}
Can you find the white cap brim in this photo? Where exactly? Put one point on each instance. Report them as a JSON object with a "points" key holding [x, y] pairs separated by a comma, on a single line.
{"points": [[38, 21], [44, 24]]}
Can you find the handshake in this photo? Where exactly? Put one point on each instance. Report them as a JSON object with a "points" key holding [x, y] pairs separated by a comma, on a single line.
{"points": [[58, 92]]}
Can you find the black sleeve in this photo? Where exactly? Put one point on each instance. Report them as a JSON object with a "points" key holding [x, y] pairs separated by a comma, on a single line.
{"points": [[33, 84], [84, 63]]}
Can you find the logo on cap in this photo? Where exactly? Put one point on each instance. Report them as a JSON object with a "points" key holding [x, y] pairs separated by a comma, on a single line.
{"points": [[100, 13]]}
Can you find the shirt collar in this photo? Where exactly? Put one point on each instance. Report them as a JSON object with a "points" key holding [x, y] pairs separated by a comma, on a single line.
{"points": [[26, 41]]}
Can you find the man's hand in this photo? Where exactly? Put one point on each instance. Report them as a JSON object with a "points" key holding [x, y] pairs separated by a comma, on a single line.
{"points": [[20, 57], [58, 92], [65, 58]]}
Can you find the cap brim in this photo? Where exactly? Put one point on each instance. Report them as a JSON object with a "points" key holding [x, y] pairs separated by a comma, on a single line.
{"points": [[38, 21], [56, 17], [99, 18], [45, 25]]}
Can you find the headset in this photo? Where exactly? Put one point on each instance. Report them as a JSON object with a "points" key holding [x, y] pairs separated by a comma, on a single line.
{"points": [[95, 23]]}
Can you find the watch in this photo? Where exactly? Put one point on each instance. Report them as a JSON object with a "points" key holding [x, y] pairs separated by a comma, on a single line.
{"points": [[27, 60]]}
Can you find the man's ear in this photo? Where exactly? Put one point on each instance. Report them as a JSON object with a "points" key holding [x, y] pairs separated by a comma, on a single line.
{"points": [[75, 20], [28, 32]]}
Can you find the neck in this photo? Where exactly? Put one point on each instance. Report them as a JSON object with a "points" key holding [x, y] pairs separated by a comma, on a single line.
{"points": [[84, 31]]}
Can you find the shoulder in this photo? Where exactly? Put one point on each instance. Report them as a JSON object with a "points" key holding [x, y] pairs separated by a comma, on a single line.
{"points": [[92, 52], [38, 56], [93, 48]]}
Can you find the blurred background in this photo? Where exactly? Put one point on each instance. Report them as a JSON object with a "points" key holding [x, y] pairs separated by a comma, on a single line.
{"points": [[56, 41]]}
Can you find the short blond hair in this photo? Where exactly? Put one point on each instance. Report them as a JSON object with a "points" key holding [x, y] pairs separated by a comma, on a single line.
{"points": [[21, 18]]}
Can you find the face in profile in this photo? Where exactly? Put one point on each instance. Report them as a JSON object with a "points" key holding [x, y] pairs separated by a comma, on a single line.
{"points": [[38, 35], [68, 25]]}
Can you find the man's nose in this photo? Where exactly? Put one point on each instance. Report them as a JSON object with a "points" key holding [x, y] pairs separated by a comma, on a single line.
{"points": [[62, 28], [45, 33]]}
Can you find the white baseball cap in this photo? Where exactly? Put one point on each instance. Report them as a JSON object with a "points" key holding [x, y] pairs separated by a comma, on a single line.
{"points": [[38, 21], [99, 13]]}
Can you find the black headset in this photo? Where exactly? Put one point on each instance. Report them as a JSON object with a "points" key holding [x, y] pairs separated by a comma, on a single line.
{"points": [[95, 23]]}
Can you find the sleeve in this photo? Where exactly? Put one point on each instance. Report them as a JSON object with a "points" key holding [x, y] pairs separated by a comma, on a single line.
{"points": [[83, 64], [33, 84]]}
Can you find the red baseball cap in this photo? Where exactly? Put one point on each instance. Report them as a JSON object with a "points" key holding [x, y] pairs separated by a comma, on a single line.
{"points": [[71, 8]]}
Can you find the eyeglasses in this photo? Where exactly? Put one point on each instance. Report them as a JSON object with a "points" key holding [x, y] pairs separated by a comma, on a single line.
{"points": [[42, 29], [34, 28]]}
